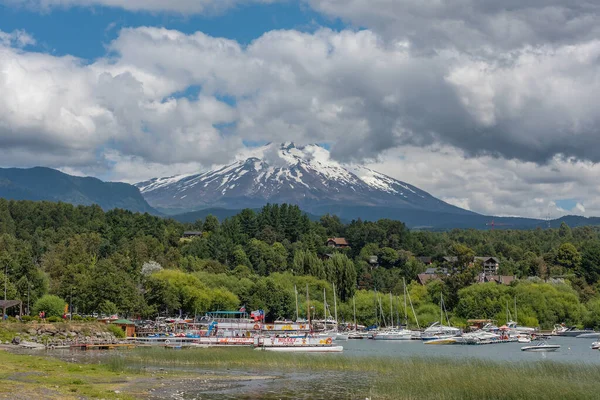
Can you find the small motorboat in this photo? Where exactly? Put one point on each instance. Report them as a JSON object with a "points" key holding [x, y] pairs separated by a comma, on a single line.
{"points": [[595, 345], [524, 339], [541, 347]]}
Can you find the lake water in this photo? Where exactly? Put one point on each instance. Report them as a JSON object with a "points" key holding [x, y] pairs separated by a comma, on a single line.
{"points": [[572, 350]]}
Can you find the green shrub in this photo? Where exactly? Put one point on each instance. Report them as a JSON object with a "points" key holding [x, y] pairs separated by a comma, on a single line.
{"points": [[77, 318], [90, 319], [12, 319], [53, 306], [118, 332], [27, 318], [54, 319]]}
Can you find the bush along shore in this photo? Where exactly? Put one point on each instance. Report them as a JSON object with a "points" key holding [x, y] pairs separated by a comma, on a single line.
{"points": [[37, 334]]}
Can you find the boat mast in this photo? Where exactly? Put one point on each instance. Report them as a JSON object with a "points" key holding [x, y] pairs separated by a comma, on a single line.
{"points": [[516, 318], [391, 312], [325, 308], [335, 309], [441, 309], [405, 308], [354, 303], [383, 321], [296, 292], [307, 306], [413, 310], [376, 304]]}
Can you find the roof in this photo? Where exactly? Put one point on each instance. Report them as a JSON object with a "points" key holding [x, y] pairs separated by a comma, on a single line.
{"points": [[487, 258], [122, 322], [501, 279], [424, 278], [424, 260], [9, 303], [193, 233], [451, 258], [338, 241], [433, 271]]}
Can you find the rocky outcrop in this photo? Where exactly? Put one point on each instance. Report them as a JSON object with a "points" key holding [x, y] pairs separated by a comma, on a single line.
{"points": [[64, 334]]}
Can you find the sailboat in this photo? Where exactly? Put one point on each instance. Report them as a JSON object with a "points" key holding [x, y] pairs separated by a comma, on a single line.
{"points": [[338, 335], [514, 328], [396, 333], [355, 334], [327, 333], [438, 331]]}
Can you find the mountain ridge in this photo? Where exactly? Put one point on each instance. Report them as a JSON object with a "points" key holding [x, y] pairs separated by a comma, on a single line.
{"points": [[286, 173], [41, 183]]}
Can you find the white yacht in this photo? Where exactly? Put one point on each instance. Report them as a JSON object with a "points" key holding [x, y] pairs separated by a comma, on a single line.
{"points": [[439, 331], [394, 334]]}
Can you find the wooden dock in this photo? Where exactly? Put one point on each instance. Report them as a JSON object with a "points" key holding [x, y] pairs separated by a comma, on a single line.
{"points": [[102, 346]]}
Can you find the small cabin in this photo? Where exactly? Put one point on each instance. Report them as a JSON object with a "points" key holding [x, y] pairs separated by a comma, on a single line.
{"points": [[338, 243], [192, 234], [126, 326]]}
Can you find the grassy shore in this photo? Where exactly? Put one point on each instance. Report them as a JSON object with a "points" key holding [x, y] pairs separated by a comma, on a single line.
{"points": [[411, 378], [29, 377], [130, 374]]}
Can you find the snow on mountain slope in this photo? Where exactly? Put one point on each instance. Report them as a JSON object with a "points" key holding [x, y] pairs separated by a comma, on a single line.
{"points": [[276, 173]]}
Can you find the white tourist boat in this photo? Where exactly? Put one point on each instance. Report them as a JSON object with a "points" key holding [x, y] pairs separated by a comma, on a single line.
{"points": [[595, 345], [295, 344], [541, 347]]}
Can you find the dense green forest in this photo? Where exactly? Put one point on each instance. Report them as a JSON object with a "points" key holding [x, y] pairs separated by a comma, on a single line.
{"points": [[139, 265]]}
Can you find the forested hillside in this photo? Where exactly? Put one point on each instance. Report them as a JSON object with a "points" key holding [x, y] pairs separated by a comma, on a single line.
{"points": [[140, 265]]}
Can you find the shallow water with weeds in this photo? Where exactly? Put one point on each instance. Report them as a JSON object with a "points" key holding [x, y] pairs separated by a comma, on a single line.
{"points": [[243, 373]]}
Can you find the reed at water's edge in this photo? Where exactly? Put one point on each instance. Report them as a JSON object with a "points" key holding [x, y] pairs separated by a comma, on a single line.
{"points": [[401, 378]]}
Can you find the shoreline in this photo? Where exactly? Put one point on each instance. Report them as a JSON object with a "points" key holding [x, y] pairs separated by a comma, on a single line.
{"points": [[228, 373]]}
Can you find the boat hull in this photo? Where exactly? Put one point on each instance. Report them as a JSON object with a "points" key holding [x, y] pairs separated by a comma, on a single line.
{"points": [[441, 341], [591, 335], [304, 349], [540, 349]]}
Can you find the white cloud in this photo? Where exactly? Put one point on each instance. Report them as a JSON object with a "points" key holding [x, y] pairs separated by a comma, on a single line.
{"points": [[17, 38], [462, 121], [175, 6], [495, 186], [485, 25]]}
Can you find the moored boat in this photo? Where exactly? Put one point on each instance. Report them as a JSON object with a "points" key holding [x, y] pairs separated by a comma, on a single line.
{"points": [[541, 347], [394, 334], [562, 330]]}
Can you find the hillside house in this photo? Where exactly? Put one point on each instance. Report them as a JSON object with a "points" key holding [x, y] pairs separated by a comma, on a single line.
{"points": [[338, 243], [499, 279], [490, 264], [425, 260]]}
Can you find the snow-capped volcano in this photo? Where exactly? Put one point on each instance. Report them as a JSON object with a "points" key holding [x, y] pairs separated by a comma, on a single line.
{"points": [[278, 173]]}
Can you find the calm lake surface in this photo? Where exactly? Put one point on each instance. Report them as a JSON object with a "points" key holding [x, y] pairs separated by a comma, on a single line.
{"points": [[572, 350]]}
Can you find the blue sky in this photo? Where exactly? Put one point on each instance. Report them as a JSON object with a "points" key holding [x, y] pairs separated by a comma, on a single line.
{"points": [[84, 32], [487, 107]]}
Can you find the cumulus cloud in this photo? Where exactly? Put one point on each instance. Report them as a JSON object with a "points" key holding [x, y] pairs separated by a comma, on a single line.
{"points": [[17, 38], [498, 125], [471, 24], [175, 6], [496, 186]]}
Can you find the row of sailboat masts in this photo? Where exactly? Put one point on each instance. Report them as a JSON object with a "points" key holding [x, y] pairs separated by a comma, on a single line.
{"points": [[324, 306], [407, 300]]}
